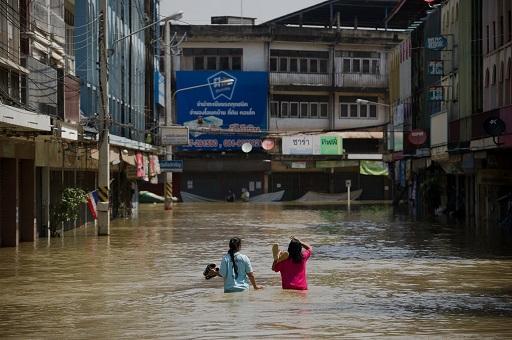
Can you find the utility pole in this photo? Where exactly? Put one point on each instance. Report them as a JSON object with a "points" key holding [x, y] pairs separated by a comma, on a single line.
{"points": [[168, 113], [104, 155]]}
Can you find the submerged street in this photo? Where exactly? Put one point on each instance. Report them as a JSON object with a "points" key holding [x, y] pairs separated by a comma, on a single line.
{"points": [[372, 273]]}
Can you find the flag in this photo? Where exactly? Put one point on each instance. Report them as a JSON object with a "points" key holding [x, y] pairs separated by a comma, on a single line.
{"points": [[92, 201]]}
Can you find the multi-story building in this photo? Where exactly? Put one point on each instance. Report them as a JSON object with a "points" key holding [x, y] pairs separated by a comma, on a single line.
{"points": [[133, 82], [49, 105], [300, 85], [466, 173], [492, 155]]}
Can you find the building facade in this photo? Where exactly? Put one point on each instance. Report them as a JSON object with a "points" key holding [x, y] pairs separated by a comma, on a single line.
{"points": [[49, 102], [466, 46], [322, 82]]}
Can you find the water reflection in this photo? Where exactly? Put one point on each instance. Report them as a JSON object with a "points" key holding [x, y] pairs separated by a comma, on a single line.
{"points": [[374, 273]]}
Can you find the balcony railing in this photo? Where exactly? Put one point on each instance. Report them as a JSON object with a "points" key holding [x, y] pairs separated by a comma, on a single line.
{"points": [[303, 79], [361, 80]]}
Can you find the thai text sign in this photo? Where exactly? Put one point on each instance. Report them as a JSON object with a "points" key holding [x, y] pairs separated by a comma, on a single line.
{"points": [[223, 110], [435, 93], [171, 166], [437, 43], [174, 135], [435, 68], [312, 145]]}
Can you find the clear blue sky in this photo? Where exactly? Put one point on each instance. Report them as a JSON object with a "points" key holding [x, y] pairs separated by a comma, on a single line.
{"points": [[198, 12]]}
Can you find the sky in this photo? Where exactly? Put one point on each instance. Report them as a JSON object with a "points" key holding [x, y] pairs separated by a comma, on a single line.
{"points": [[198, 12]]}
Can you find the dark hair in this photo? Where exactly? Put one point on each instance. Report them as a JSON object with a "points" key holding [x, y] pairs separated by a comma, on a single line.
{"points": [[295, 251], [234, 245]]}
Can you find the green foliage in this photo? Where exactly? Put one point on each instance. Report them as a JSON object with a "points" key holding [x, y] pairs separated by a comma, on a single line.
{"points": [[67, 209]]}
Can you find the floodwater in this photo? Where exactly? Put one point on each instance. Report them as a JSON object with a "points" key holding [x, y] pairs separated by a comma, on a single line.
{"points": [[373, 273]]}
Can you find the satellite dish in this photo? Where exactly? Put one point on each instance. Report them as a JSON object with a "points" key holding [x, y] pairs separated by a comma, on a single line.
{"points": [[267, 144], [246, 147]]}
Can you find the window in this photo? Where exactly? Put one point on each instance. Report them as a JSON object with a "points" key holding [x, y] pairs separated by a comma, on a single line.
{"points": [[366, 66], [363, 111], [344, 111], [324, 108], [236, 63], [198, 63], [214, 58], [353, 110], [323, 66], [494, 35], [211, 63], [356, 66], [501, 32], [303, 65], [299, 106], [274, 109], [273, 64], [373, 111], [313, 65], [349, 109], [313, 110], [284, 109], [304, 110], [375, 67], [346, 65], [294, 109], [283, 64], [488, 38], [294, 65], [509, 25], [493, 81], [224, 63]]}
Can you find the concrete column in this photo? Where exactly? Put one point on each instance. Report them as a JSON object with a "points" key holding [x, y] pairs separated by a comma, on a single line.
{"points": [[265, 183], [45, 198], [9, 200], [27, 186]]}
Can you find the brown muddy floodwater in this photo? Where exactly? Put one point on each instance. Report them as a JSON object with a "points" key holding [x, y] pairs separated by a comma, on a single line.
{"points": [[373, 274]]}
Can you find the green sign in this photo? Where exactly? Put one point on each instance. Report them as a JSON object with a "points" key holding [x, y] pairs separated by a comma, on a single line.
{"points": [[331, 145]]}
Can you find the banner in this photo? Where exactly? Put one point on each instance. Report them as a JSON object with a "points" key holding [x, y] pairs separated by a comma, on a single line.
{"points": [[223, 110], [373, 168]]}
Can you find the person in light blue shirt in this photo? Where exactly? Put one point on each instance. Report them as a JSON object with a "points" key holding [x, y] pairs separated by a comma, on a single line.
{"points": [[235, 268]]}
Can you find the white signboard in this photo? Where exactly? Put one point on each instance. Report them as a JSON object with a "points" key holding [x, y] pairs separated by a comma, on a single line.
{"points": [[174, 135], [297, 145]]}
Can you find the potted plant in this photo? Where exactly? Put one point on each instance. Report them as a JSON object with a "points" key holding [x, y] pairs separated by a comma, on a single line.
{"points": [[67, 209]]}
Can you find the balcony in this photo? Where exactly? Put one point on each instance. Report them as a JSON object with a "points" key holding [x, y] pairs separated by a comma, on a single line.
{"points": [[300, 79], [361, 80]]}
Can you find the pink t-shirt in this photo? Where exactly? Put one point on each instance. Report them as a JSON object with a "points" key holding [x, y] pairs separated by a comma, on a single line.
{"points": [[293, 275]]}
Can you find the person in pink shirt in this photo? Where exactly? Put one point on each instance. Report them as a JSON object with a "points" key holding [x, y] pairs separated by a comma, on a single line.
{"points": [[293, 267]]}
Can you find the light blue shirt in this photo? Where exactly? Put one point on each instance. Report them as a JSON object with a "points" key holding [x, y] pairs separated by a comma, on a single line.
{"points": [[232, 283]]}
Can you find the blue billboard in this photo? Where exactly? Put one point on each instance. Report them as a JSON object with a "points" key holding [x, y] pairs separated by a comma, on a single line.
{"points": [[222, 109]]}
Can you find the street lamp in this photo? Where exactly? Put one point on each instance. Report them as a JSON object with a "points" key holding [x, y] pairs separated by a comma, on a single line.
{"points": [[227, 81]]}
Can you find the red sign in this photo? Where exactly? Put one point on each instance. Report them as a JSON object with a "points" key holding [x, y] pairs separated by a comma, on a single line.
{"points": [[267, 144], [417, 137]]}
